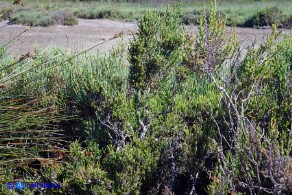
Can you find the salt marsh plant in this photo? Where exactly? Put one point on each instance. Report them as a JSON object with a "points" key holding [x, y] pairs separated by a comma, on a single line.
{"points": [[29, 128], [175, 113]]}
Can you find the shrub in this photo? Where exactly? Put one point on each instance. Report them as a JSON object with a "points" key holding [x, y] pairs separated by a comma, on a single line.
{"points": [[5, 10], [288, 22], [65, 17], [190, 19], [266, 17], [253, 92], [83, 174], [103, 13], [29, 17], [158, 44]]}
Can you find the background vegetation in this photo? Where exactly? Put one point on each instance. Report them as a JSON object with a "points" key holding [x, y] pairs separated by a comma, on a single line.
{"points": [[172, 114], [243, 13]]}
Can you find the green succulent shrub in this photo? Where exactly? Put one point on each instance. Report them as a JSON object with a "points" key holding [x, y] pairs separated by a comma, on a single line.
{"points": [[5, 10], [160, 42], [266, 17], [31, 17], [175, 113]]}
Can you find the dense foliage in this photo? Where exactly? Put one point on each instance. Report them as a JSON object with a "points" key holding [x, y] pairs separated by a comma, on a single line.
{"points": [[175, 113]]}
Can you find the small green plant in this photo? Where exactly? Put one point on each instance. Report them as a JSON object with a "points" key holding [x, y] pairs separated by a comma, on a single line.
{"points": [[266, 17], [44, 18], [159, 43], [5, 10], [190, 19]]}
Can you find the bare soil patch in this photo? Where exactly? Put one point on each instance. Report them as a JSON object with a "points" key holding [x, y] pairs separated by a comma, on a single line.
{"points": [[89, 33]]}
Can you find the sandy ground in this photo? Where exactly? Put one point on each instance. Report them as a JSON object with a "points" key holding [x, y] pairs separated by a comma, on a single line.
{"points": [[89, 33]]}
